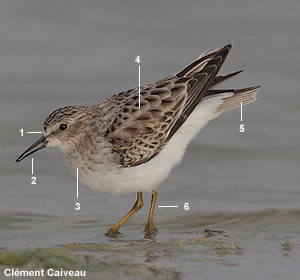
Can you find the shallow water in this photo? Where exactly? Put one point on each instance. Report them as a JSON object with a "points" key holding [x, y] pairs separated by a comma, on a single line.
{"points": [[57, 53], [210, 245]]}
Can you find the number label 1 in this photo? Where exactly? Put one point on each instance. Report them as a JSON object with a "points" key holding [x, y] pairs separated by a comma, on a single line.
{"points": [[22, 131], [186, 206], [77, 206], [137, 60], [33, 182], [242, 128]]}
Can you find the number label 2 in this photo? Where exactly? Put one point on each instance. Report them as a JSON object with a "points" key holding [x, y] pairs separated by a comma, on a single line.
{"points": [[33, 182]]}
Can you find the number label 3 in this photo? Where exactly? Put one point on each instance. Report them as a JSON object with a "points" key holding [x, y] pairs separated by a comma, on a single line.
{"points": [[77, 206]]}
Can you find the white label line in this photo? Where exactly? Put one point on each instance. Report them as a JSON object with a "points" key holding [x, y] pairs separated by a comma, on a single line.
{"points": [[31, 132], [77, 182], [32, 166], [241, 111], [167, 206], [139, 86]]}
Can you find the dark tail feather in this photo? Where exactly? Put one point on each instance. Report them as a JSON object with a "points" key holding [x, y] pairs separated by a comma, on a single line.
{"points": [[220, 79]]}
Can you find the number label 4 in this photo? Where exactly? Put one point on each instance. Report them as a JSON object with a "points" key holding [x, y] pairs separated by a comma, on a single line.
{"points": [[138, 60]]}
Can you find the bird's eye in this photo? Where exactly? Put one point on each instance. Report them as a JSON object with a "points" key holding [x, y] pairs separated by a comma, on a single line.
{"points": [[63, 126]]}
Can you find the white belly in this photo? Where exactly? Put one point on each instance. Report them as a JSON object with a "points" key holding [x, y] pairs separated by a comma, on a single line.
{"points": [[148, 176]]}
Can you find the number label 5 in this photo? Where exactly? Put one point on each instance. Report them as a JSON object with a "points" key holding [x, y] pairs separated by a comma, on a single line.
{"points": [[242, 128]]}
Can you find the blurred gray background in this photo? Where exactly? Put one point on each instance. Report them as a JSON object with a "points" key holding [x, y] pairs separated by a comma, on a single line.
{"points": [[57, 53]]}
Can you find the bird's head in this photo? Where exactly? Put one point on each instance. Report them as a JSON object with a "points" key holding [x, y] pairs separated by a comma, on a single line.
{"points": [[62, 129]]}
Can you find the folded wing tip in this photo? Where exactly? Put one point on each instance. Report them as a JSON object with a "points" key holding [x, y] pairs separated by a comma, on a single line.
{"points": [[229, 45]]}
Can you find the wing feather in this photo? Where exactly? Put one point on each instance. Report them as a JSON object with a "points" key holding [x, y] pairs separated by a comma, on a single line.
{"points": [[138, 134]]}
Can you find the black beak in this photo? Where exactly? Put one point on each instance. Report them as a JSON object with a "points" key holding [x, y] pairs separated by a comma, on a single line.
{"points": [[38, 145]]}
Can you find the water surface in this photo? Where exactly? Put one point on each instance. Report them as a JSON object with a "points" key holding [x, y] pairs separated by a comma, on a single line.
{"points": [[59, 53]]}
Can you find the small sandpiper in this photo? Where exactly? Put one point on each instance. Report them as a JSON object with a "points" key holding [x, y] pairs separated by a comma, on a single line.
{"points": [[130, 142]]}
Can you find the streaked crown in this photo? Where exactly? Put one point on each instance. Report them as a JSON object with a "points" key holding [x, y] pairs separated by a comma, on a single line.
{"points": [[62, 113]]}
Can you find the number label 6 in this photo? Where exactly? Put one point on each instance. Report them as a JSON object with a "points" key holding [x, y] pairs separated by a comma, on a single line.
{"points": [[186, 206]]}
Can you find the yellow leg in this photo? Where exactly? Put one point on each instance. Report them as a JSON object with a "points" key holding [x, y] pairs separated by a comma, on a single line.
{"points": [[136, 207], [150, 228]]}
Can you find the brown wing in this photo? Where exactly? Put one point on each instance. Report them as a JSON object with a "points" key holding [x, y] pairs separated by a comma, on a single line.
{"points": [[201, 81], [138, 134]]}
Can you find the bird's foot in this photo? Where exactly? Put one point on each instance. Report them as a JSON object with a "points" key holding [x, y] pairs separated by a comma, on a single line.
{"points": [[150, 231], [112, 233]]}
